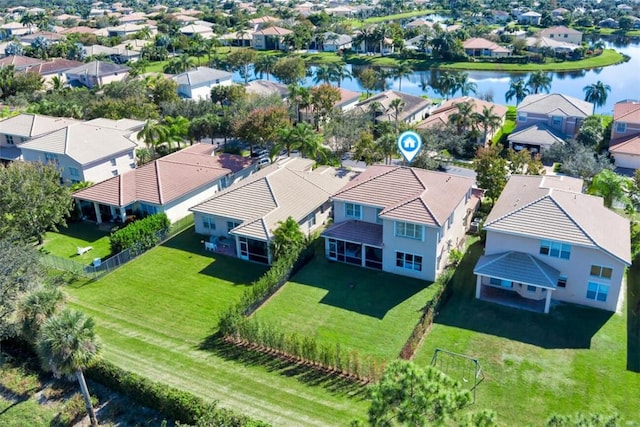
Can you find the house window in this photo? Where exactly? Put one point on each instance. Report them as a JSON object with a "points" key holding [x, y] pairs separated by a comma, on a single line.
{"points": [[9, 139], [408, 230], [378, 219], [311, 220], [450, 220], [601, 272], [113, 162], [499, 282], [562, 282], [409, 261], [131, 155], [231, 225], [23, 139], [531, 289], [114, 172], [566, 36], [132, 165], [51, 157], [597, 291], [555, 249], [522, 117], [621, 127], [351, 210], [73, 171], [209, 222], [557, 121]]}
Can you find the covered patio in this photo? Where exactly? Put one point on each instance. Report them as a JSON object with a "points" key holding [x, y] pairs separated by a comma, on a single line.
{"points": [[516, 279], [355, 242]]}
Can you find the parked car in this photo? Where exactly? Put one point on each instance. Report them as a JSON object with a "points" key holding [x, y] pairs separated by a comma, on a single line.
{"points": [[263, 162]]}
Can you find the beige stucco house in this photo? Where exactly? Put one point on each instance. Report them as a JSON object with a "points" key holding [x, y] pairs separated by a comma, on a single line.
{"points": [[96, 74], [625, 134], [546, 240], [477, 46], [246, 214], [270, 38], [562, 33], [401, 220]]}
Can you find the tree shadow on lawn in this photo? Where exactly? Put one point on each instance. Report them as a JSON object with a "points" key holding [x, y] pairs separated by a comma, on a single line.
{"points": [[280, 365], [566, 326], [633, 316], [369, 292], [87, 231]]}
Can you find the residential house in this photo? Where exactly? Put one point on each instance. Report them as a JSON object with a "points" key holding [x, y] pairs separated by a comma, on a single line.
{"points": [[411, 109], [270, 38], [171, 184], [530, 18], [20, 63], [559, 12], [343, 11], [544, 119], [267, 87], [127, 30], [401, 220], [50, 36], [247, 213], [334, 42], [197, 84], [624, 146], [87, 151], [23, 127], [203, 31], [440, 116], [55, 67], [608, 23], [499, 16], [348, 99], [96, 74], [241, 38], [541, 44], [263, 22], [546, 240], [562, 33], [477, 46], [16, 29], [419, 23]]}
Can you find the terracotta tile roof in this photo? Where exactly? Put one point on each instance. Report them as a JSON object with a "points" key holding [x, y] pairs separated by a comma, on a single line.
{"points": [[627, 145], [347, 96], [167, 178], [447, 108], [20, 62], [54, 66], [81, 29], [553, 207], [410, 194], [480, 43], [628, 112], [356, 231], [274, 31]]}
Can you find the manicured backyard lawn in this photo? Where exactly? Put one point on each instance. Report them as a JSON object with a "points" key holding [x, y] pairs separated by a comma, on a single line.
{"points": [[157, 314], [364, 310], [66, 241], [574, 359]]}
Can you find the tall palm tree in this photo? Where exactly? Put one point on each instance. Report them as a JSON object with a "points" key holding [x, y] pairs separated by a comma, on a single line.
{"points": [[36, 308], [397, 105], [264, 65], [153, 134], [539, 81], [308, 140], [299, 98], [402, 70], [597, 93], [387, 146], [463, 119], [286, 140], [518, 90], [489, 120], [322, 74], [447, 84], [67, 346], [28, 20], [339, 72], [464, 85], [177, 129]]}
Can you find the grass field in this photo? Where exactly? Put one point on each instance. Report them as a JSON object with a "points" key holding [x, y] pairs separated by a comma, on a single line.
{"points": [[157, 314], [66, 241], [574, 359], [365, 310]]}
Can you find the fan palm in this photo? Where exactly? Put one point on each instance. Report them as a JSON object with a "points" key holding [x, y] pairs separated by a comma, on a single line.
{"points": [[322, 74], [464, 118], [67, 346], [597, 93], [264, 65], [339, 72], [517, 89], [153, 134]]}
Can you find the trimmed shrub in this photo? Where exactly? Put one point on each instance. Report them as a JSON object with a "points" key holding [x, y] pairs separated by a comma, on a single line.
{"points": [[141, 235]]}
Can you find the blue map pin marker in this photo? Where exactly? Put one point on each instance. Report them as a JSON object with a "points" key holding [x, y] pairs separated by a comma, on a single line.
{"points": [[409, 144]]}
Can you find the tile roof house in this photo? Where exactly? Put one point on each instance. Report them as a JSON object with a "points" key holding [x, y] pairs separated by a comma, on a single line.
{"points": [[197, 83], [20, 62], [530, 18], [96, 74], [91, 151], [477, 46], [334, 42], [547, 240], [625, 134], [171, 184], [414, 110], [270, 38], [543, 119], [562, 33], [262, 87], [247, 213], [401, 220], [440, 116]]}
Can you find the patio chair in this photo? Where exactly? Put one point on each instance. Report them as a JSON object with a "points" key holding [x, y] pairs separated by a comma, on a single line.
{"points": [[83, 250]]}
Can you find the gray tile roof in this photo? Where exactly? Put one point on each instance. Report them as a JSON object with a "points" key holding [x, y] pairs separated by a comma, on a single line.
{"points": [[412, 104], [553, 207], [518, 267], [202, 75], [98, 68], [536, 134], [356, 231], [555, 104], [31, 125]]}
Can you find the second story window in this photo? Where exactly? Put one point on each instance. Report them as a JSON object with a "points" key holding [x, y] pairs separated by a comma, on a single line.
{"points": [[555, 249], [621, 127], [557, 121], [352, 210], [113, 162], [9, 139], [408, 230], [73, 171]]}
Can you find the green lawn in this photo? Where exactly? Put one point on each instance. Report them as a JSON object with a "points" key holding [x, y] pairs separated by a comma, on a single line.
{"points": [[66, 241], [156, 316], [365, 310], [573, 359]]}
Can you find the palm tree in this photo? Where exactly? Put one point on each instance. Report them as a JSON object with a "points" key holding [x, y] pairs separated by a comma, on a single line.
{"points": [[464, 118], [402, 70], [177, 129], [608, 185], [153, 134], [447, 84], [517, 89], [286, 237], [539, 81], [489, 121], [322, 74], [464, 85], [308, 140], [28, 20], [57, 84], [264, 65], [37, 307], [597, 93], [397, 105], [285, 140], [387, 146], [67, 346], [300, 98], [339, 72]]}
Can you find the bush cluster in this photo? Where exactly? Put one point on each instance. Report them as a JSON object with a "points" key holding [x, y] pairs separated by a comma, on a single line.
{"points": [[141, 235]]}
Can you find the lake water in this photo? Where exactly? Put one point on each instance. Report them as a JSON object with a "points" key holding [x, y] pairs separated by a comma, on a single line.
{"points": [[624, 79]]}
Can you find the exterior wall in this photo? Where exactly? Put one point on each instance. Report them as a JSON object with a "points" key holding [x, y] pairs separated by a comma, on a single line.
{"points": [[315, 219], [103, 169], [426, 248], [92, 81], [570, 125], [330, 47], [626, 161], [576, 269], [258, 42], [220, 222], [201, 91], [629, 129], [368, 212], [564, 37], [179, 208], [63, 162]]}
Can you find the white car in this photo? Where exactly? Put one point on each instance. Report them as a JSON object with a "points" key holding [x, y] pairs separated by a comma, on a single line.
{"points": [[263, 162]]}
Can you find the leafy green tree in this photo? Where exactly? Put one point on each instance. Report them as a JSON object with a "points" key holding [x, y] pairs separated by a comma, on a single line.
{"points": [[610, 186], [323, 100], [539, 81], [290, 70], [366, 150], [368, 79], [287, 237], [32, 200], [241, 60], [412, 396], [518, 90], [261, 125], [597, 93], [491, 170], [521, 163], [228, 95], [591, 132], [67, 346], [343, 130]]}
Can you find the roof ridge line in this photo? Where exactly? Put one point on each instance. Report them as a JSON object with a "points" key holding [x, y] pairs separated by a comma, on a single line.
{"points": [[273, 195], [371, 178], [157, 172], [572, 219], [537, 263]]}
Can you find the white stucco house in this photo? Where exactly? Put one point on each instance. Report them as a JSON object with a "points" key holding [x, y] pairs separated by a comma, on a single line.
{"points": [[197, 84], [96, 74], [546, 240]]}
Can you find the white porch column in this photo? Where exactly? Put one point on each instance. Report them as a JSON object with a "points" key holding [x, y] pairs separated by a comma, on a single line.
{"points": [[478, 285], [363, 252], [547, 301], [96, 208]]}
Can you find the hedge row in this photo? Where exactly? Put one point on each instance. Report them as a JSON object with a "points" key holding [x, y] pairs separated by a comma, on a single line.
{"points": [[141, 235], [179, 405], [431, 308]]}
